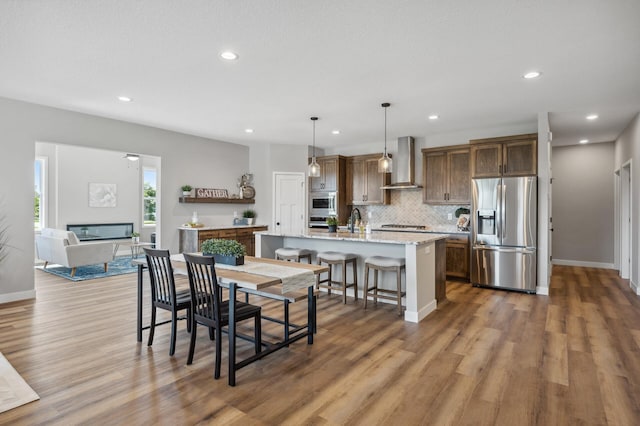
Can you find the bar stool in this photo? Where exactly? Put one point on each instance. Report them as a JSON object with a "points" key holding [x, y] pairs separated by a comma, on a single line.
{"points": [[295, 254], [381, 263], [332, 258]]}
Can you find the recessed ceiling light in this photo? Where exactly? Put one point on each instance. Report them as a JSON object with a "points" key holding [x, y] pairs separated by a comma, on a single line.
{"points": [[124, 99], [592, 116], [229, 55], [584, 141], [532, 74], [248, 130], [434, 117], [335, 132]]}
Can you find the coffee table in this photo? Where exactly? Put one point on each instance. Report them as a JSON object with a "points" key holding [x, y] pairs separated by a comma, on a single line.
{"points": [[136, 248]]}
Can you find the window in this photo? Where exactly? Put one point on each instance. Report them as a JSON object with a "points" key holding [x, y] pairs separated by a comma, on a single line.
{"points": [[149, 196], [39, 198]]}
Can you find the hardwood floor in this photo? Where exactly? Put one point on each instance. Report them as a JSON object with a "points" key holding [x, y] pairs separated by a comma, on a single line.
{"points": [[484, 357]]}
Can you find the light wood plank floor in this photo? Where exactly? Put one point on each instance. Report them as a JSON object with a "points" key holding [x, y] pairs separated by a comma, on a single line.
{"points": [[484, 357]]}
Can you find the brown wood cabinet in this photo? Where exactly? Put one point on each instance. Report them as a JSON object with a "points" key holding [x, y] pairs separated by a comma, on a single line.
{"points": [[332, 174], [446, 175], [362, 172], [458, 256], [191, 239], [505, 156]]}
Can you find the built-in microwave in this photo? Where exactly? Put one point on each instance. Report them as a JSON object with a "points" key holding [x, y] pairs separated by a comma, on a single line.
{"points": [[322, 204]]}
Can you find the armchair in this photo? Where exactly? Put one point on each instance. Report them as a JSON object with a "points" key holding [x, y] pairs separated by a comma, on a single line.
{"points": [[64, 248]]}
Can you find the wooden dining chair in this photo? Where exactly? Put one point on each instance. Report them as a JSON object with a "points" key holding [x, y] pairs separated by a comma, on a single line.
{"points": [[164, 294], [210, 310]]}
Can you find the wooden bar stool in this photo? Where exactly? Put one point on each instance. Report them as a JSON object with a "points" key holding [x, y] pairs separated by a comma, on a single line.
{"points": [[381, 263], [334, 258], [295, 254]]}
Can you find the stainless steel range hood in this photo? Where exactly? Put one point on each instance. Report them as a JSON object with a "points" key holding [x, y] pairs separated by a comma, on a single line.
{"points": [[404, 162]]}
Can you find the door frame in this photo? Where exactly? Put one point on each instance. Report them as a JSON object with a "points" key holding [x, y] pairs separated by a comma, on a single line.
{"points": [[625, 200]]}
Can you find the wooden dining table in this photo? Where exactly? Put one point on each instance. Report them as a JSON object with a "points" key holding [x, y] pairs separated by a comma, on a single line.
{"points": [[254, 283]]}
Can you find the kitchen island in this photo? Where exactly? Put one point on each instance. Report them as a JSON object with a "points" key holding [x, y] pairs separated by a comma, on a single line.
{"points": [[424, 254]]}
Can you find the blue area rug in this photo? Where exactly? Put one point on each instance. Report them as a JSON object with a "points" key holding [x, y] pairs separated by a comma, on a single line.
{"points": [[119, 266]]}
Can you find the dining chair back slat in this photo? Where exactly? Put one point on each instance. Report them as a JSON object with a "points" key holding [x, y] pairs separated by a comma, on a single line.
{"points": [[164, 294], [210, 310]]}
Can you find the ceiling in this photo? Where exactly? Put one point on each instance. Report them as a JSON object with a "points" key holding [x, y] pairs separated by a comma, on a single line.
{"points": [[335, 59]]}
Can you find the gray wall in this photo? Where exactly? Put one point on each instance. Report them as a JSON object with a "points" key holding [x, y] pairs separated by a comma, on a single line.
{"points": [[185, 159], [583, 204]]}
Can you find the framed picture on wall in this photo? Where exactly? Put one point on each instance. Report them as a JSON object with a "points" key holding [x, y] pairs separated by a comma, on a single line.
{"points": [[102, 194]]}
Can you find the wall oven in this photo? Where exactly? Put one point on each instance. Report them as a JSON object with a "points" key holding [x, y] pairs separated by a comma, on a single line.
{"points": [[321, 205]]}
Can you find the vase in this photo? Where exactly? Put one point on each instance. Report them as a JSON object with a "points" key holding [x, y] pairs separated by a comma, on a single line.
{"points": [[333, 228], [249, 220], [135, 240], [227, 260]]}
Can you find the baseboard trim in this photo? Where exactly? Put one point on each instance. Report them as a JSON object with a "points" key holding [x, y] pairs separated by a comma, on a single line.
{"points": [[542, 291], [417, 316], [602, 265], [20, 295], [634, 287]]}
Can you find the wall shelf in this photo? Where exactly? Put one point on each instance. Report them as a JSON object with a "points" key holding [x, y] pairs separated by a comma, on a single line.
{"points": [[218, 200]]}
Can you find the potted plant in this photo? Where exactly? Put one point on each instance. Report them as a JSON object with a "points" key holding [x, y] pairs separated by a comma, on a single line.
{"points": [[332, 221], [186, 190], [249, 215], [229, 252], [135, 237]]}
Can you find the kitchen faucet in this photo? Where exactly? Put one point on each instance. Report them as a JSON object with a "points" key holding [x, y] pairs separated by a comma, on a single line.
{"points": [[352, 218]]}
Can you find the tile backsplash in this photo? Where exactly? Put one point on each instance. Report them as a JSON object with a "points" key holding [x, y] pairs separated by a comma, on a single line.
{"points": [[407, 208]]}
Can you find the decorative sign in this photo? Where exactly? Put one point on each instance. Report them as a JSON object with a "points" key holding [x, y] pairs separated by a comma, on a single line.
{"points": [[211, 193]]}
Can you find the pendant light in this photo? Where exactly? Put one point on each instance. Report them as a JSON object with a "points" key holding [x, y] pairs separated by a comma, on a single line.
{"points": [[314, 167], [385, 164]]}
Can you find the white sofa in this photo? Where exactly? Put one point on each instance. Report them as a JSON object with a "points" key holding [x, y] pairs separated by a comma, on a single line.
{"points": [[64, 248]]}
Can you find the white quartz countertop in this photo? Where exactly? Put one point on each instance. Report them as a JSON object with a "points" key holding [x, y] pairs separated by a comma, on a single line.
{"points": [[217, 227], [415, 238]]}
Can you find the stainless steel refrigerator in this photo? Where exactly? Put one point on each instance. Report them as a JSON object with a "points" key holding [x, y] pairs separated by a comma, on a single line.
{"points": [[504, 223]]}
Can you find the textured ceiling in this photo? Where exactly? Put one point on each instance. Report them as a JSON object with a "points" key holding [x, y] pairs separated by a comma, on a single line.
{"points": [[336, 59]]}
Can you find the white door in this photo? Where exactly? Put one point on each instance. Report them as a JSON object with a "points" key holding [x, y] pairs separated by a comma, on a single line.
{"points": [[289, 202]]}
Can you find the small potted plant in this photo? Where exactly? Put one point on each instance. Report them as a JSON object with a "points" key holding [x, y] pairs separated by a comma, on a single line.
{"points": [[135, 237], [249, 215], [332, 221], [186, 190], [229, 252]]}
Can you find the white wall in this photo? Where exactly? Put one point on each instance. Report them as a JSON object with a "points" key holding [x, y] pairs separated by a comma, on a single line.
{"points": [[583, 205], [186, 159], [544, 204], [627, 148], [266, 159], [74, 168]]}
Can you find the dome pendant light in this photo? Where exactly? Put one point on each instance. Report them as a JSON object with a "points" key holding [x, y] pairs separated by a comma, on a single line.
{"points": [[385, 164], [314, 167]]}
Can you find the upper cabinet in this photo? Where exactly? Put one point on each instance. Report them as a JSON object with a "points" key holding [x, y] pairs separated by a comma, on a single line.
{"points": [[362, 172], [446, 175], [505, 156], [332, 172]]}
